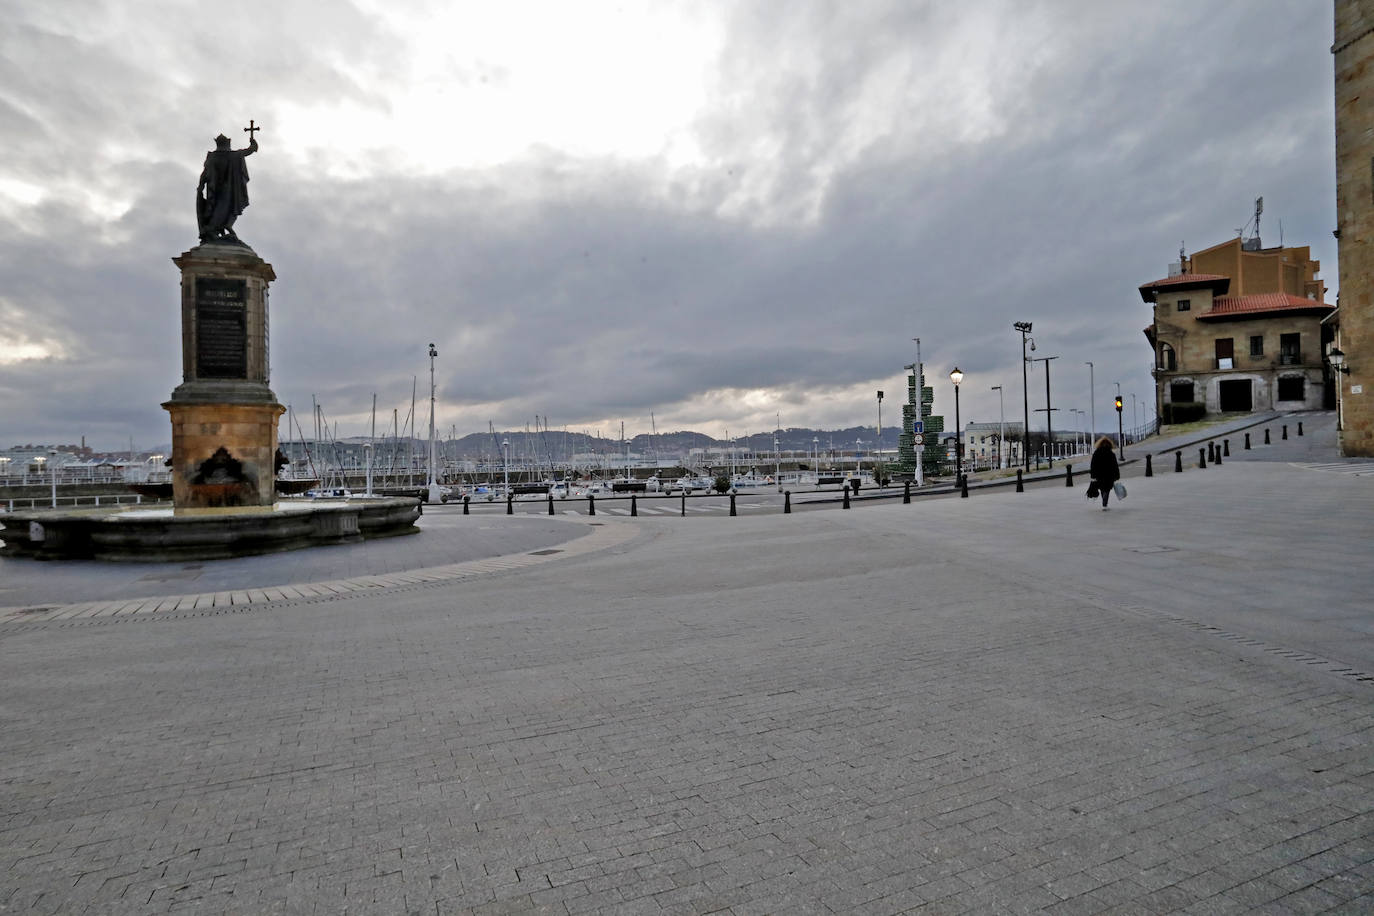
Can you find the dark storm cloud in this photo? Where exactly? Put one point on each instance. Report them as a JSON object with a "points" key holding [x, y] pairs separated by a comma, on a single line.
{"points": [[854, 192]]}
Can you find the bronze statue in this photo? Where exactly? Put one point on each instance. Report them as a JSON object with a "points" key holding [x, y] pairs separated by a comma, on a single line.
{"points": [[223, 190]]}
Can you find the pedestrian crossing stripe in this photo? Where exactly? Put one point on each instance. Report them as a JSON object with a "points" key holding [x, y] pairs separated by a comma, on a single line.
{"points": [[1353, 468]]}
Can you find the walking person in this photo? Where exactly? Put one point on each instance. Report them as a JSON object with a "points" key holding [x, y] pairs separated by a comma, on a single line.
{"points": [[1104, 470]]}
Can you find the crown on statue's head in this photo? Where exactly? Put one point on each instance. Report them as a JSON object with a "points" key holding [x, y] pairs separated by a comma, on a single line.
{"points": [[221, 140]]}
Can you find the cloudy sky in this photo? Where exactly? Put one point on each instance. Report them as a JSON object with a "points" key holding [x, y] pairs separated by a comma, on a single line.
{"points": [[720, 213]]}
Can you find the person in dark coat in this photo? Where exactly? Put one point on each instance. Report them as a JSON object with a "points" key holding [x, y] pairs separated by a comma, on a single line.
{"points": [[1104, 469]]}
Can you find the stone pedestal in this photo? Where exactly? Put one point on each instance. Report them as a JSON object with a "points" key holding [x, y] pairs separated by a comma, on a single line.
{"points": [[224, 415]]}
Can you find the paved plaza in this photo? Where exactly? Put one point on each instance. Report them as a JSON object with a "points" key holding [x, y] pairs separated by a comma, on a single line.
{"points": [[1013, 702]]}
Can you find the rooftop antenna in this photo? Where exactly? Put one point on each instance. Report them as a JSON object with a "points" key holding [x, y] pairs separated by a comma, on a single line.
{"points": [[1259, 208]]}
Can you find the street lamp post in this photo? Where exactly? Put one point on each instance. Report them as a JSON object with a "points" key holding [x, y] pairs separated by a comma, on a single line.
{"points": [[505, 464], [1001, 426], [1025, 328], [434, 494], [1092, 406], [1135, 415], [956, 377], [52, 471]]}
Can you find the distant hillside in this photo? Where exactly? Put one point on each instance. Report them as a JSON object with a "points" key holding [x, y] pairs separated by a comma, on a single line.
{"points": [[559, 445]]}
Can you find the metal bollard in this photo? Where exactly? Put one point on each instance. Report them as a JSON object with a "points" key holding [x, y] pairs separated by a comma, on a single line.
{"points": [[846, 497], [1068, 475], [591, 503], [1299, 427], [1226, 447], [963, 487], [786, 502], [1149, 467], [551, 502], [634, 506], [1020, 486], [684, 503], [1266, 435], [1178, 462], [1285, 431], [510, 503], [466, 500], [1217, 461], [732, 504], [906, 492], [1247, 442], [1202, 458], [1211, 451]]}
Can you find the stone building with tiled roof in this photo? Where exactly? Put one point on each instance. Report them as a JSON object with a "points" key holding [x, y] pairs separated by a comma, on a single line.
{"points": [[1238, 328]]}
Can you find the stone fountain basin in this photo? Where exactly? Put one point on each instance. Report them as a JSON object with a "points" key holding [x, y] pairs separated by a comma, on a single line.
{"points": [[157, 534]]}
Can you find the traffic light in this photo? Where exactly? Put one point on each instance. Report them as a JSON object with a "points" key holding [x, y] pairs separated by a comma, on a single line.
{"points": [[1118, 403]]}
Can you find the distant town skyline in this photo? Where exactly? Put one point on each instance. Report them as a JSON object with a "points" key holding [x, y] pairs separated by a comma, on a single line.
{"points": [[717, 214]]}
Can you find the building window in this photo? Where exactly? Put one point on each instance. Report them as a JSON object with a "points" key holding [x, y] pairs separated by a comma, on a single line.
{"points": [[1257, 345], [1168, 361], [1225, 353], [1290, 349], [1293, 389], [1184, 305], [1181, 392]]}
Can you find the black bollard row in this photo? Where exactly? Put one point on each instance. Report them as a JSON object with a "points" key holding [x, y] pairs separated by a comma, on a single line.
{"points": [[846, 500], [466, 499], [551, 502], [1020, 484], [963, 487], [1266, 435], [1247, 442], [1202, 458], [732, 504], [1211, 451], [1178, 462], [684, 503], [786, 502], [634, 506], [591, 503], [906, 492], [1226, 447], [510, 503], [1218, 458], [1068, 475], [1285, 431], [1149, 468], [1299, 427]]}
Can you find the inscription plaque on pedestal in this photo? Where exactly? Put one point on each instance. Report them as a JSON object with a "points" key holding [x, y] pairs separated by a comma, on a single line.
{"points": [[221, 328]]}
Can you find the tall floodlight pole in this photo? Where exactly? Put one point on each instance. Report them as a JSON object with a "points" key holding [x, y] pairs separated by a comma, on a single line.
{"points": [[1025, 328], [1001, 426], [434, 494], [1092, 406]]}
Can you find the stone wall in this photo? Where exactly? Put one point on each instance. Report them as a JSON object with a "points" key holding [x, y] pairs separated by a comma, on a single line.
{"points": [[1353, 49]]}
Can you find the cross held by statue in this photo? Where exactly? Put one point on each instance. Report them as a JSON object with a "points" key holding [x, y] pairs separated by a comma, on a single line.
{"points": [[251, 129]]}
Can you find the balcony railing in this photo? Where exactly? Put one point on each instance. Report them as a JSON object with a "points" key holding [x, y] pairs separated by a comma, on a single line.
{"points": [[1290, 358]]}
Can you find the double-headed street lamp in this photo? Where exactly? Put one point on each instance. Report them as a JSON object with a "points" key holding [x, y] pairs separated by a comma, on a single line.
{"points": [[1025, 328], [956, 377]]}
